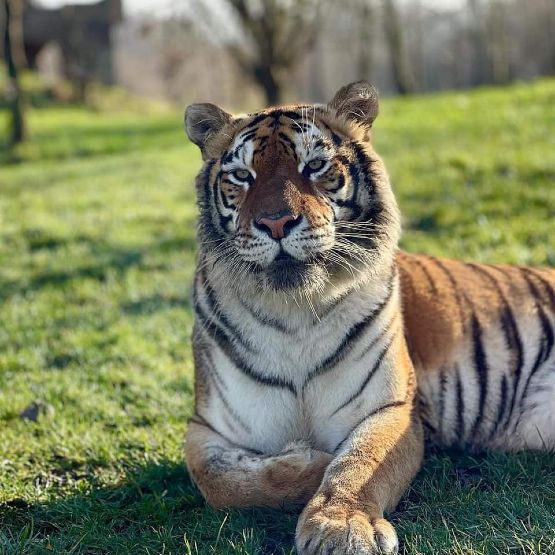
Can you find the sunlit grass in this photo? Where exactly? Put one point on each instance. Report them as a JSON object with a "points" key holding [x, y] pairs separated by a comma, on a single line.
{"points": [[96, 258]]}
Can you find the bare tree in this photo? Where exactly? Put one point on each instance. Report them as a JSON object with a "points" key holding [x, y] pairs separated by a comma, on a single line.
{"points": [[12, 11], [365, 15], [272, 37], [402, 74]]}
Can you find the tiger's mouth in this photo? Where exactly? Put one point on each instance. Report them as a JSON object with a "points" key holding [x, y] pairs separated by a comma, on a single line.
{"points": [[286, 272]]}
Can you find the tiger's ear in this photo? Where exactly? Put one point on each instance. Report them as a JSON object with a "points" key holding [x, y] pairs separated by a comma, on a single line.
{"points": [[357, 102], [203, 121]]}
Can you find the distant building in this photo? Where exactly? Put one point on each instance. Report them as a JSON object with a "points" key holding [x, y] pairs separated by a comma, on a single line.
{"points": [[80, 35]]}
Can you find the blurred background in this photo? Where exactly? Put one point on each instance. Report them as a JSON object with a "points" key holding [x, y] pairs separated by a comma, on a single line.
{"points": [[97, 243], [248, 53]]}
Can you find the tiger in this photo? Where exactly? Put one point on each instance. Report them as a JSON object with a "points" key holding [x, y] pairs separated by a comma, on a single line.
{"points": [[325, 357]]}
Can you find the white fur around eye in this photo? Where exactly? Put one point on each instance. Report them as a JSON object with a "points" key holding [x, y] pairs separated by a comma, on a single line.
{"points": [[232, 172], [241, 174], [316, 165], [314, 173]]}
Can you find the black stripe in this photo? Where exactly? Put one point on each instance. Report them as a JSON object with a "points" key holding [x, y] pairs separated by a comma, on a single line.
{"points": [[334, 136], [352, 335], [202, 421], [263, 319], [369, 376], [386, 329], [547, 338], [342, 159], [513, 340], [549, 289], [479, 353], [220, 387], [546, 325], [207, 229], [289, 114], [222, 220], [256, 121], [501, 407], [355, 209], [365, 162], [223, 196], [225, 344], [217, 315], [355, 172], [288, 142], [340, 184], [481, 368], [455, 287], [204, 175], [442, 393], [262, 145], [248, 136], [391, 405], [319, 144], [460, 429], [333, 305], [227, 158], [359, 171], [426, 272], [304, 126]]}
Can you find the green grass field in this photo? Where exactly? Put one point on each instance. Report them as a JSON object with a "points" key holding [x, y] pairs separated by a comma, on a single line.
{"points": [[97, 241]]}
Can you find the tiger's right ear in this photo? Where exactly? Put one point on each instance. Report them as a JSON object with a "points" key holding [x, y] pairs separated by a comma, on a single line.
{"points": [[203, 121], [357, 102]]}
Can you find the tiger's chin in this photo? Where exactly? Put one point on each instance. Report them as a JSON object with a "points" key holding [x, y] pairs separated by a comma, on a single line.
{"points": [[288, 274], [316, 276]]}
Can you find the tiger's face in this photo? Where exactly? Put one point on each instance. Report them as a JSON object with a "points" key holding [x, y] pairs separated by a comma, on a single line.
{"points": [[294, 198]]}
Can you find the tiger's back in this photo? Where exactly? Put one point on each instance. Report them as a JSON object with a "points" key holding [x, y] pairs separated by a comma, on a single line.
{"points": [[481, 339]]}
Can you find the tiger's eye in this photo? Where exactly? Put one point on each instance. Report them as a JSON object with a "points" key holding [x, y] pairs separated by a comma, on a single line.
{"points": [[316, 165], [242, 175]]}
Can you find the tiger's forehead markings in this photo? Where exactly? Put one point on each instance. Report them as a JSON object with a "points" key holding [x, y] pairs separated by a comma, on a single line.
{"points": [[298, 135]]}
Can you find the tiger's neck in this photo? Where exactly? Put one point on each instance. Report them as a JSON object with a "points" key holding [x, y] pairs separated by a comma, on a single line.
{"points": [[290, 311]]}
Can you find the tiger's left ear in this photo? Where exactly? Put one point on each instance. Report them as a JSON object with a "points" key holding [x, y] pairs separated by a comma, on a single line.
{"points": [[357, 102], [203, 122]]}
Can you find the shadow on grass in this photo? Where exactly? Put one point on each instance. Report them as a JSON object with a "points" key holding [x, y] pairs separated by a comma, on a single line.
{"points": [[154, 509], [155, 303], [104, 259], [86, 141]]}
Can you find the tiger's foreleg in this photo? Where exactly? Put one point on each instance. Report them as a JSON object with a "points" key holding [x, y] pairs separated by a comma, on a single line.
{"points": [[231, 476], [374, 467]]}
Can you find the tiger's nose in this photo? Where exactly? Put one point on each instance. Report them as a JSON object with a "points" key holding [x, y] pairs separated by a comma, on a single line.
{"points": [[277, 225]]}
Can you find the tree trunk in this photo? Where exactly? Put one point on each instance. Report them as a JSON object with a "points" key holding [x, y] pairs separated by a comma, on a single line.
{"points": [[271, 86], [17, 131], [480, 73], [366, 33], [402, 75], [498, 43]]}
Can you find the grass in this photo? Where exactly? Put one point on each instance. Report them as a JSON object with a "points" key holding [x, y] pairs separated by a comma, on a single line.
{"points": [[97, 247]]}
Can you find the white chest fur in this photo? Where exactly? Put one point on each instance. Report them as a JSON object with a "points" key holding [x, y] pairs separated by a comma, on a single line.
{"points": [[295, 376]]}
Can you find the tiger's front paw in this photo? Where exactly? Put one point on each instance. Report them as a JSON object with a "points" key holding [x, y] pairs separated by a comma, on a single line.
{"points": [[338, 530]]}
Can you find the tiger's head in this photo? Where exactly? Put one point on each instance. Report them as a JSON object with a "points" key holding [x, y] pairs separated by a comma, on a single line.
{"points": [[294, 198]]}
